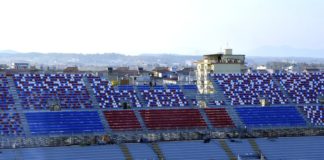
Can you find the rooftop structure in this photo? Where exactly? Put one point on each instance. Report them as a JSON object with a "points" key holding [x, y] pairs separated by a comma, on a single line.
{"points": [[223, 62]]}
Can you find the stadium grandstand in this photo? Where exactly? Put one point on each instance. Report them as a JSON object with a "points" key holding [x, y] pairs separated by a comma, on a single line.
{"points": [[84, 116]]}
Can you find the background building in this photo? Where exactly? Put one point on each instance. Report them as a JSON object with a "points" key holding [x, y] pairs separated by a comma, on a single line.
{"points": [[223, 62], [20, 66]]}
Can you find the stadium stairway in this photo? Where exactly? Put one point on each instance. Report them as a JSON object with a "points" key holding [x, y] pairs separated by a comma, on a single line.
{"points": [[140, 120], [140, 97], [254, 146], [227, 149], [234, 116], [282, 89], [24, 124], [220, 93], [125, 150], [91, 93], [104, 122], [156, 148], [189, 95], [13, 92], [200, 97], [302, 113], [18, 106], [204, 116]]}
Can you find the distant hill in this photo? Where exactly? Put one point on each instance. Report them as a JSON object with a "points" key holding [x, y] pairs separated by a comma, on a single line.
{"points": [[116, 59], [107, 59]]}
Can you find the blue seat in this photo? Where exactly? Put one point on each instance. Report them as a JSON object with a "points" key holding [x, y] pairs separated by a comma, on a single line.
{"points": [[270, 116], [64, 122]]}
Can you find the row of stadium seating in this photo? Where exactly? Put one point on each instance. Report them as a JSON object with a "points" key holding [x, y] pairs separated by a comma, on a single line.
{"points": [[156, 119], [191, 92], [39, 91], [160, 97], [89, 121], [122, 120], [270, 116], [315, 114], [287, 148], [63, 122], [247, 89], [172, 119], [302, 88], [108, 97]]}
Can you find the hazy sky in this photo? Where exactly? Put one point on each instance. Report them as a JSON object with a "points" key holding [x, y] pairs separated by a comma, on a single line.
{"points": [[159, 26]]}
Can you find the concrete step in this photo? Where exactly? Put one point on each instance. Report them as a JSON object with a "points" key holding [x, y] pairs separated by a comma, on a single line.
{"points": [[24, 124], [13, 92], [283, 91], [125, 151], [227, 149], [254, 146], [234, 116], [140, 120], [157, 151], [302, 113], [104, 121], [220, 92], [205, 117], [91, 93]]}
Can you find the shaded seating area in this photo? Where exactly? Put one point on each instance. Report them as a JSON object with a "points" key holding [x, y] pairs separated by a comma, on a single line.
{"points": [[64, 122], [192, 150], [240, 146], [302, 88], [219, 118], [173, 119], [292, 148], [10, 124], [141, 151], [40, 91], [122, 120], [270, 116], [248, 89], [315, 114], [107, 152]]}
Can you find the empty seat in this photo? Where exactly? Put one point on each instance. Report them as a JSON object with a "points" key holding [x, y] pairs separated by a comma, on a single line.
{"points": [[173, 119], [192, 150], [270, 116], [122, 120], [64, 122], [302, 88], [292, 148], [40, 91], [113, 97], [219, 118], [248, 89], [161, 97], [141, 151]]}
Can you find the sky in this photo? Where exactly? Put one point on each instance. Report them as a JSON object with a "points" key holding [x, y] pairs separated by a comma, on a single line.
{"points": [[191, 27]]}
